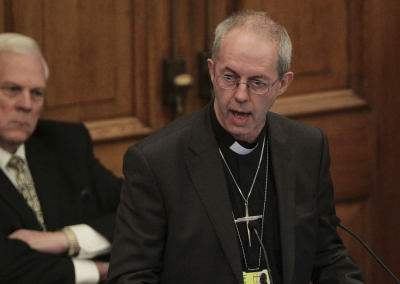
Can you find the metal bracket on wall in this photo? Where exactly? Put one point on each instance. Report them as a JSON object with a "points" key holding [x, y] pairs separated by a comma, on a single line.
{"points": [[176, 80], [206, 90]]}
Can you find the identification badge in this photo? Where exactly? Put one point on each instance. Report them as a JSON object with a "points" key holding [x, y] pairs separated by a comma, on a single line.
{"points": [[259, 277]]}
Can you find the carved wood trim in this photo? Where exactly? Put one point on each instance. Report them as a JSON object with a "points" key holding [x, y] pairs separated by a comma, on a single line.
{"points": [[117, 128], [307, 104]]}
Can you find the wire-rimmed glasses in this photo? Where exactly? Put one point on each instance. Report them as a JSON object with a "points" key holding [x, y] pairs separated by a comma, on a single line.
{"points": [[255, 86]]}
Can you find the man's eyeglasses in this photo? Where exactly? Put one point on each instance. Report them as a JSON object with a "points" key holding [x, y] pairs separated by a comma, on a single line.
{"points": [[255, 86]]}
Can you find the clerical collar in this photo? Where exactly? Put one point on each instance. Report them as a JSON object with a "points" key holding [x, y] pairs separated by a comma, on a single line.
{"points": [[239, 149], [225, 139]]}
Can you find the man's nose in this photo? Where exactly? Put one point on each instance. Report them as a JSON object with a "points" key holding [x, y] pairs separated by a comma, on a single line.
{"points": [[242, 92], [25, 100]]}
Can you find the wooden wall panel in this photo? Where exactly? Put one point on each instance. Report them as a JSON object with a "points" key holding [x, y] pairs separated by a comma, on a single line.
{"points": [[26, 17], [382, 87], [192, 39], [152, 22], [319, 34], [352, 166], [87, 45], [2, 20], [151, 25], [111, 153], [351, 214]]}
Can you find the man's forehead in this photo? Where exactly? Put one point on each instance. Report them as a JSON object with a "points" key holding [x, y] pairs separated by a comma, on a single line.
{"points": [[256, 34], [16, 58], [21, 68]]}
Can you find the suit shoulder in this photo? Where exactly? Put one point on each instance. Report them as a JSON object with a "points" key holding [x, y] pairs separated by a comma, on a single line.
{"points": [[60, 132], [172, 131], [294, 132], [293, 125], [53, 125]]}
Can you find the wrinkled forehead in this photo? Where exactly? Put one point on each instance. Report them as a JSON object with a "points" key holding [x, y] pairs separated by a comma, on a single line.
{"points": [[24, 69], [240, 45], [7, 55]]}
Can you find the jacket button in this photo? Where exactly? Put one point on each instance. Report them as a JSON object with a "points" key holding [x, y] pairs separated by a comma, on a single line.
{"points": [[86, 192]]}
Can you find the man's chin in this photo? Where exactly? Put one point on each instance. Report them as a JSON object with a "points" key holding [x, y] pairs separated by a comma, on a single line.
{"points": [[238, 132], [16, 138]]}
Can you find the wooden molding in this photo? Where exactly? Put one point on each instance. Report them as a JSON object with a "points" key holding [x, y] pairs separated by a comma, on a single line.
{"points": [[307, 104], [117, 128], [301, 105]]}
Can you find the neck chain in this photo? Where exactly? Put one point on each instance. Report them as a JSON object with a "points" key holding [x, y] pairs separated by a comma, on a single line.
{"points": [[246, 200], [248, 218]]}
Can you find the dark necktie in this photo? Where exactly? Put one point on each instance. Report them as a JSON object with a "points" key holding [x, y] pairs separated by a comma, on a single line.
{"points": [[26, 187]]}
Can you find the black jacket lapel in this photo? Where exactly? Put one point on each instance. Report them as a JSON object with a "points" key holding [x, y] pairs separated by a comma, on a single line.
{"points": [[10, 195], [285, 182], [207, 174], [45, 172]]}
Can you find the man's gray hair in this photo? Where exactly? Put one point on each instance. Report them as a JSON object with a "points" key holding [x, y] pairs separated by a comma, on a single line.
{"points": [[13, 42], [262, 25]]}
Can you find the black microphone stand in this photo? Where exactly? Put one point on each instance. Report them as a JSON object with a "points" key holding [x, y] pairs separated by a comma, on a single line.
{"points": [[335, 220], [253, 226]]}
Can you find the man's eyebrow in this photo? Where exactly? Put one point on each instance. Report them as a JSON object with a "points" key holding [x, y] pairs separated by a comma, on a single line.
{"points": [[10, 83], [38, 88], [230, 70], [252, 77], [259, 77]]}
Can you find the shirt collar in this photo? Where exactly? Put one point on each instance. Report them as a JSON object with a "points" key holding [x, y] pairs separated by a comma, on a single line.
{"points": [[5, 156]]}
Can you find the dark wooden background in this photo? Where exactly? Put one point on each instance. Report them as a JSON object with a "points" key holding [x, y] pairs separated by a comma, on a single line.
{"points": [[105, 60]]}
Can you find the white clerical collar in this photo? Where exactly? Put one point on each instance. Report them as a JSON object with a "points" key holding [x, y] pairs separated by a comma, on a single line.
{"points": [[239, 149]]}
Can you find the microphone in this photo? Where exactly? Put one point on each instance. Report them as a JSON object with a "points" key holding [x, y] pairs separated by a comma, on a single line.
{"points": [[335, 221], [253, 226]]}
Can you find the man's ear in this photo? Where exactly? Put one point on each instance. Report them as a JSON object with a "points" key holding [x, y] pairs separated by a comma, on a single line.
{"points": [[211, 68], [284, 83]]}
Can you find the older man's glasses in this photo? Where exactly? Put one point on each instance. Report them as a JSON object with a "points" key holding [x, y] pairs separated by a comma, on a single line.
{"points": [[255, 86]]}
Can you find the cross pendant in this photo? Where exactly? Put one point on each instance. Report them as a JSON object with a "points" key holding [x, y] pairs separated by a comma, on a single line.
{"points": [[247, 219]]}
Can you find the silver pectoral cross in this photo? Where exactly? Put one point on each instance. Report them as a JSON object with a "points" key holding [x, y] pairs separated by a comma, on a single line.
{"points": [[247, 219]]}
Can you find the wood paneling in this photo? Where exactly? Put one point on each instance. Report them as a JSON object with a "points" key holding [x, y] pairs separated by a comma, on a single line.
{"points": [[113, 129], [2, 20], [26, 17], [90, 68], [352, 166], [111, 153], [382, 87], [319, 34], [150, 44], [351, 213], [302, 105], [7, 15]]}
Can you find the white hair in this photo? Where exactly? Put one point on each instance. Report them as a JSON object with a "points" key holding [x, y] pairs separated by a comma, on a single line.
{"points": [[262, 25], [13, 42]]}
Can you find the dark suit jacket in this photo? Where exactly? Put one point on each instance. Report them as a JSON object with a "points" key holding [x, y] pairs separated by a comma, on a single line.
{"points": [[174, 222], [73, 188]]}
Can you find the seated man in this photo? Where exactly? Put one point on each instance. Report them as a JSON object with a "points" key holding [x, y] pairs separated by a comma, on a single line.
{"points": [[57, 202]]}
